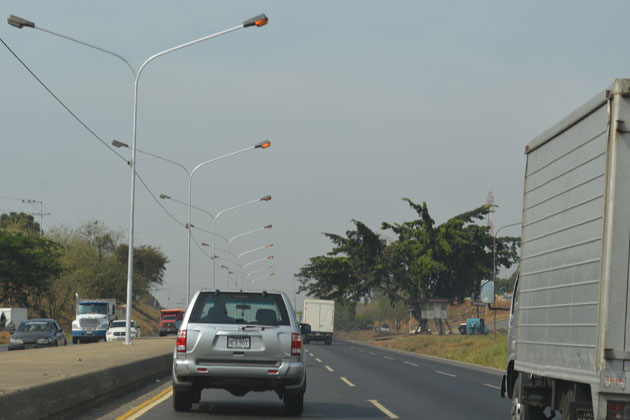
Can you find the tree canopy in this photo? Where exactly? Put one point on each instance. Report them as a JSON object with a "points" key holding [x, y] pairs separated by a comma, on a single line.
{"points": [[426, 260]]}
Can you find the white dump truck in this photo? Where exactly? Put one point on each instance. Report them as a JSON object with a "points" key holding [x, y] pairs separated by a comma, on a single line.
{"points": [[569, 334], [93, 319], [320, 315]]}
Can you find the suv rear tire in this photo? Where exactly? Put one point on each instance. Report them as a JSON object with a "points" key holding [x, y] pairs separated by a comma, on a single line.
{"points": [[182, 400], [294, 403]]}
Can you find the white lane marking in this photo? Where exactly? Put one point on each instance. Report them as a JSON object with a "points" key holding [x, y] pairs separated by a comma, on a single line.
{"points": [[388, 413], [318, 359], [410, 364], [372, 353], [350, 384], [493, 386], [452, 375], [329, 368], [388, 358], [147, 408], [361, 350]]}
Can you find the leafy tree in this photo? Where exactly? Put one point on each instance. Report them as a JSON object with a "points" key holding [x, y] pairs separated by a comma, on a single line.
{"points": [[426, 261], [28, 265], [21, 222]]}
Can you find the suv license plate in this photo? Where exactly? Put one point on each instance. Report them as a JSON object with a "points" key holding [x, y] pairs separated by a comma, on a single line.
{"points": [[238, 343]]}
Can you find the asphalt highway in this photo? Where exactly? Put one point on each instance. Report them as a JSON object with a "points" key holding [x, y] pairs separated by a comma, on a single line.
{"points": [[354, 381]]}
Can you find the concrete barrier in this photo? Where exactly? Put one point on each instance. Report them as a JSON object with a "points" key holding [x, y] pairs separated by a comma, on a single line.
{"points": [[40, 383]]}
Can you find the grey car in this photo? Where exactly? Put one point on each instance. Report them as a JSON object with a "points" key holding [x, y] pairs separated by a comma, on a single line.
{"points": [[241, 342], [36, 333]]}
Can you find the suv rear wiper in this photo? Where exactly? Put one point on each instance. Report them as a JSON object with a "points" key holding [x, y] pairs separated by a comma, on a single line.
{"points": [[262, 327]]}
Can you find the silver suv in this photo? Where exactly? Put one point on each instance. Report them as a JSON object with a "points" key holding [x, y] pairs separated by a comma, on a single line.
{"points": [[241, 342]]}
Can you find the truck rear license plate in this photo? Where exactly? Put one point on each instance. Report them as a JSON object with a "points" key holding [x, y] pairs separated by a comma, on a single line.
{"points": [[238, 343]]}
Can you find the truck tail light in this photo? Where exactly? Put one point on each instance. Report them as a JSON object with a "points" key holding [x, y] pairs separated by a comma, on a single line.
{"points": [[296, 344], [180, 344], [618, 410]]}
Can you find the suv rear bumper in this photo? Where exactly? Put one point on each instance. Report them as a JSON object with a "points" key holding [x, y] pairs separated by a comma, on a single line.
{"points": [[289, 376]]}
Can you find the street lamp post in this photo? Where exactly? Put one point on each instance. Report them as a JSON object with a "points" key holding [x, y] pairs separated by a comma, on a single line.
{"points": [[259, 270], [240, 235], [257, 261], [19, 23], [262, 277], [214, 223]]}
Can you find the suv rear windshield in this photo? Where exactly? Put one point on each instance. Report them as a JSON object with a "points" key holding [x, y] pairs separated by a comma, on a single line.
{"points": [[239, 308]]}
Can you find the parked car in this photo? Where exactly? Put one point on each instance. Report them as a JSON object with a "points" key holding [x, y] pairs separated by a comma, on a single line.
{"points": [[240, 342], [35, 333], [116, 330]]}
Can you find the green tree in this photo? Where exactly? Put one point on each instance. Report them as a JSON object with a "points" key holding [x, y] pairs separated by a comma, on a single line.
{"points": [[21, 222], [425, 261], [28, 265]]}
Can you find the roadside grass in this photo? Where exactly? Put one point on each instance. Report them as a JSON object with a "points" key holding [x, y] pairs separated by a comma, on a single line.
{"points": [[483, 350], [4, 337]]}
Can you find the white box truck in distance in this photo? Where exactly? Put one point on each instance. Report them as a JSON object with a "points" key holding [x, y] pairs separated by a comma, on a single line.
{"points": [[569, 335], [320, 315]]}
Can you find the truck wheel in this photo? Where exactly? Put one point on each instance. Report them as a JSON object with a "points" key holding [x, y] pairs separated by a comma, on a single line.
{"points": [[182, 400], [329, 342], [521, 411]]}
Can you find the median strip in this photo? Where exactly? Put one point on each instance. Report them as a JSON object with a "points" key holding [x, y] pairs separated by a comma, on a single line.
{"points": [[350, 384], [388, 413]]}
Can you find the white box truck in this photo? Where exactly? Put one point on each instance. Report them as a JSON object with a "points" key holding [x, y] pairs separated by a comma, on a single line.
{"points": [[11, 318], [569, 328], [320, 315]]}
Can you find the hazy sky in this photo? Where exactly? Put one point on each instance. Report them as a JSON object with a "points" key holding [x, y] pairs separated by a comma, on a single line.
{"points": [[364, 102]]}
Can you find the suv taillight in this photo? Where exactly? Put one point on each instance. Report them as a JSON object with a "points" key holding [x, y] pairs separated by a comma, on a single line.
{"points": [[180, 344], [296, 344]]}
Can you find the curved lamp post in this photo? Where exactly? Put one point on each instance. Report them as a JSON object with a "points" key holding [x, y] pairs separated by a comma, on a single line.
{"points": [[262, 199], [240, 235], [20, 23], [262, 277], [494, 268]]}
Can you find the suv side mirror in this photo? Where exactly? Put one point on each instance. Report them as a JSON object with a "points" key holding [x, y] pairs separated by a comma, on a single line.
{"points": [[305, 328]]}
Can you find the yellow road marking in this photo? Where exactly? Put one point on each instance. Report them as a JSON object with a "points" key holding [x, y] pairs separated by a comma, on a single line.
{"points": [[493, 386], [329, 368], [452, 375], [318, 359], [350, 384], [383, 409], [147, 405]]}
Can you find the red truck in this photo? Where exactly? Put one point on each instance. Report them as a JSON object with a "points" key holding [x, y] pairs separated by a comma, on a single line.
{"points": [[170, 320]]}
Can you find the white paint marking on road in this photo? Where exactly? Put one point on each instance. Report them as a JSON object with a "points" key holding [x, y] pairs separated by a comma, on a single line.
{"points": [[372, 353], [149, 407], [388, 358], [318, 359], [329, 368], [361, 350], [493, 386], [350, 384], [452, 375], [411, 364], [388, 413]]}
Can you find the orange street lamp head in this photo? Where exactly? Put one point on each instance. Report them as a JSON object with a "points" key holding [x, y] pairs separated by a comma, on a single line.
{"points": [[19, 23], [263, 144], [268, 227], [260, 20], [204, 244], [270, 257], [266, 198], [269, 246], [273, 274]]}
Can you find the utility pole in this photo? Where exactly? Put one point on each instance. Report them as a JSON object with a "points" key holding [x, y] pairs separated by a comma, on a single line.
{"points": [[41, 213]]}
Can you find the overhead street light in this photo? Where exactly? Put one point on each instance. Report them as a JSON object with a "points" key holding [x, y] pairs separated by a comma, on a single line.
{"points": [[265, 198], [20, 23], [259, 270], [262, 277], [257, 261], [240, 235]]}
